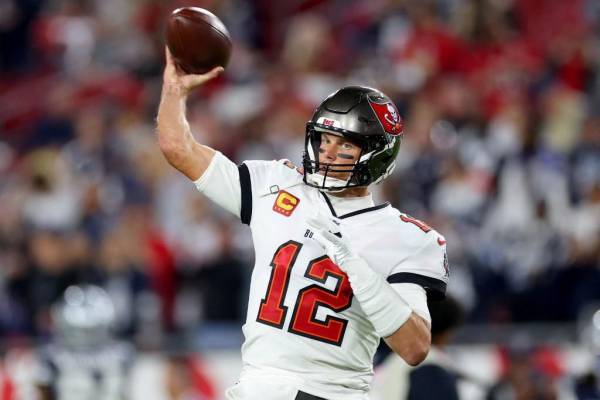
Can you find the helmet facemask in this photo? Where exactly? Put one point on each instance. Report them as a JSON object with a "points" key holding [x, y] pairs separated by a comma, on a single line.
{"points": [[317, 174]]}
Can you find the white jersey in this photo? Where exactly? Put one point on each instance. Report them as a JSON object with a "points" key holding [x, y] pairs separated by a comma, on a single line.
{"points": [[303, 321]]}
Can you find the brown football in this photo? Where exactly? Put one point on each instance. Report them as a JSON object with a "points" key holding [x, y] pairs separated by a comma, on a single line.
{"points": [[198, 40]]}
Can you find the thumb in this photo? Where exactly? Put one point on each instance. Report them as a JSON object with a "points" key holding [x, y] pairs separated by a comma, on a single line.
{"points": [[194, 80], [332, 238], [316, 223]]}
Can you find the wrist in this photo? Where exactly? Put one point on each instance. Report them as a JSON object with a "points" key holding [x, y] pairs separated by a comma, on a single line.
{"points": [[384, 308], [359, 273], [174, 91]]}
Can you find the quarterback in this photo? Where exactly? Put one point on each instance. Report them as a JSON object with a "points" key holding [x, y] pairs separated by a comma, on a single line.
{"points": [[334, 272]]}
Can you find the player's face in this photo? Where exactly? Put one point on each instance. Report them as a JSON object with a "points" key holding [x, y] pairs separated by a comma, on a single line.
{"points": [[337, 150]]}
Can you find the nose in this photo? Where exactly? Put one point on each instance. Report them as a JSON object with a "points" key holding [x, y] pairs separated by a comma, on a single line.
{"points": [[329, 151]]}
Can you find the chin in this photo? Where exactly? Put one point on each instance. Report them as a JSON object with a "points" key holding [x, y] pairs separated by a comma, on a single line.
{"points": [[335, 176]]}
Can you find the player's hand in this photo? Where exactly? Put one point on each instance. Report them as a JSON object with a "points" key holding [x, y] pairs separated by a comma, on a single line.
{"points": [[328, 234], [178, 82], [325, 231]]}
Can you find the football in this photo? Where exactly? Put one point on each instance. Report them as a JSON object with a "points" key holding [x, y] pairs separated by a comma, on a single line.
{"points": [[197, 40]]}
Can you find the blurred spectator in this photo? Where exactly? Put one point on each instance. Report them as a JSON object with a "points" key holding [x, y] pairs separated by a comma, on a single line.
{"points": [[445, 318], [83, 360], [52, 199], [587, 384], [225, 270], [49, 271], [437, 377], [587, 387], [16, 19], [529, 373], [121, 275]]}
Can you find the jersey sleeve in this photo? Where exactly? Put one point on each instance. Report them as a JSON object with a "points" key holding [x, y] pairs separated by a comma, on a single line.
{"points": [[236, 188], [427, 267], [416, 298], [221, 182], [262, 178]]}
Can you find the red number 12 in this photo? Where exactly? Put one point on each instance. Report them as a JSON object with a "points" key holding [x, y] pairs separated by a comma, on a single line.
{"points": [[272, 311]]}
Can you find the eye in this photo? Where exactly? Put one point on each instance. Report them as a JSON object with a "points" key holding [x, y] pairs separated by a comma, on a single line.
{"points": [[348, 146]]}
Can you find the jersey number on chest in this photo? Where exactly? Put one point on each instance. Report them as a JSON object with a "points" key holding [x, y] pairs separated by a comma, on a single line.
{"points": [[303, 322]]}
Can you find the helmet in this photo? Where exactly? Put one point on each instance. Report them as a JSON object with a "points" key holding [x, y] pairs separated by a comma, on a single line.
{"points": [[84, 318], [367, 117]]}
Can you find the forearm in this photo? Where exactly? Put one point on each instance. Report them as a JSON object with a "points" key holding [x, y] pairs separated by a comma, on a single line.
{"points": [[405, 332], [173, 128], [411, 340], [175, 138]]}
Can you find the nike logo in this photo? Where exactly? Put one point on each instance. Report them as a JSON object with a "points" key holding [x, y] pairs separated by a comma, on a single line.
{"points": [[441, 241]]}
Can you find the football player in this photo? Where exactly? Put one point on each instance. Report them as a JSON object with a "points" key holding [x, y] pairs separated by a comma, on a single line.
{"points": [[84, 361], [334, 272]]}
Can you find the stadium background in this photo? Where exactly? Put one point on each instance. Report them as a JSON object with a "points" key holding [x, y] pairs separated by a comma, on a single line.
{"points": [[501, 101]]}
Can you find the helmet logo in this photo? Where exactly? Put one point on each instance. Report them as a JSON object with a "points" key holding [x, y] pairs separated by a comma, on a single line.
{"points": [[388, 117], [328, 122]]}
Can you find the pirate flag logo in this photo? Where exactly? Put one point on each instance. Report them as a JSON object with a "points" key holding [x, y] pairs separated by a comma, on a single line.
{"points": [[388, 117]]}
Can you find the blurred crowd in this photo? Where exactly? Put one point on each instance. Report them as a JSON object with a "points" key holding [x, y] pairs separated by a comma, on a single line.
{"points": [[501, 151]]}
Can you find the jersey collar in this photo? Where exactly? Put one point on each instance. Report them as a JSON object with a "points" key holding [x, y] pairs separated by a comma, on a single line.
{"points": [[351, 207]]}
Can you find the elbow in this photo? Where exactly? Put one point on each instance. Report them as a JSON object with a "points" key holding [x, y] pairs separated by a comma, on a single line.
{"points": [[413, 352], [171, 149], [411, 341], [416, 355]]}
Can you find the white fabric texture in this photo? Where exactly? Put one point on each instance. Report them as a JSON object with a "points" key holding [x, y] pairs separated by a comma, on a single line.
{"points": [[416, 298], [221, 183]]}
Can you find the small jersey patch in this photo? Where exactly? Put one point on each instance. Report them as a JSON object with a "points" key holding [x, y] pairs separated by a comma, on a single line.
{"points": [[285, 203], [291, 165]]}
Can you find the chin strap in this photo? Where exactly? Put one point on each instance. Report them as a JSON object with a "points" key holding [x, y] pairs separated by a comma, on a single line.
{"points": [[385, 309]]}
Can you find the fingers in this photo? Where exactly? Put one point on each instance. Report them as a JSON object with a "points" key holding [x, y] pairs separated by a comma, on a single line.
{"points": [[168, 56], [327, 223], [332, 238], [189, 81], [193, 80], [322, 232], [170, 65], [316, 222], [319, 238], [216, 71], [318, 230]]}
